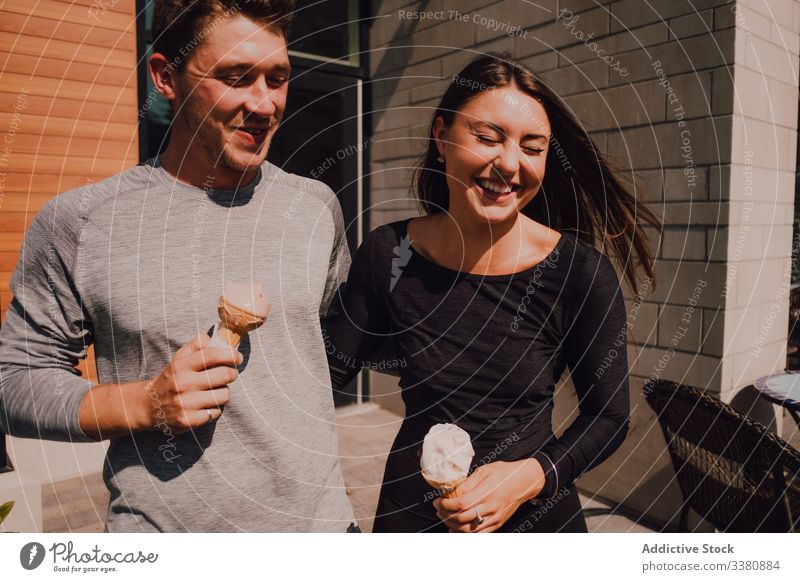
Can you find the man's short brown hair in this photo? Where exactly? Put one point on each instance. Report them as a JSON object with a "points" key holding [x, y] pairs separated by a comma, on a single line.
{"points": [[179, 26]]}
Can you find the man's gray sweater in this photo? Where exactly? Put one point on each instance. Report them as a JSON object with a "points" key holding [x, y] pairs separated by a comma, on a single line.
{"points": [[135, 265]]}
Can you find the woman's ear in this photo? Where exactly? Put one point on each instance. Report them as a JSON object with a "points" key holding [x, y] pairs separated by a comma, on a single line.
{"points": [[162, 73], [439, 132]]}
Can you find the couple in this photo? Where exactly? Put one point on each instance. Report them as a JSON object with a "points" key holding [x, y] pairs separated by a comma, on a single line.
{"points": [[486, 303]]}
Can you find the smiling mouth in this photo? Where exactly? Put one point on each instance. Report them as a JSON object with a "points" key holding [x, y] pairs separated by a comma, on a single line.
{"points": [[496, 189], [254, 131], [253, 136]]}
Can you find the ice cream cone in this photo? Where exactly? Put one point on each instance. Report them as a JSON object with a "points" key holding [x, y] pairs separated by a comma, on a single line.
{"points": [[242, 308], [449, 489], [446, 458]]}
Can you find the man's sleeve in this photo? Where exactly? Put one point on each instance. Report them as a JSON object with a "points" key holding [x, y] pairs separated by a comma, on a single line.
{"points": [[339, 261], [45, 333]]}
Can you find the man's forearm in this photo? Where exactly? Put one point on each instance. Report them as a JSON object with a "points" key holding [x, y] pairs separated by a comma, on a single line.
{"points": [[111, 411]]}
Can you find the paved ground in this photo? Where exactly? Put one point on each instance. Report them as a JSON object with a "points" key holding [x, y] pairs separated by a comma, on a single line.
{"points": [[366, 433]]}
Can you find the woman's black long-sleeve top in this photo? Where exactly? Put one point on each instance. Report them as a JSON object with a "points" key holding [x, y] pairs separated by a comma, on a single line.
{"points": [[485, 352]]}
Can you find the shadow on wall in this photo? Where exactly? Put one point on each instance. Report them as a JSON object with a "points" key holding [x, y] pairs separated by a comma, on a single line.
{"points": [[395, 56]]}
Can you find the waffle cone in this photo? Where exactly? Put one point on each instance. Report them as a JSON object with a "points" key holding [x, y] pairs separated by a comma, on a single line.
{"points": [[235, 322], [448, 489]]}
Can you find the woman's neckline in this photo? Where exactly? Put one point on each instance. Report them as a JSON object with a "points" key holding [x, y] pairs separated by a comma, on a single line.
{"points": [[550, 259]]}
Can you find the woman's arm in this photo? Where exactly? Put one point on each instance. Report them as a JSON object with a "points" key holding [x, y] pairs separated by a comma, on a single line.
{"points": [[596, 354], [357, 324]]}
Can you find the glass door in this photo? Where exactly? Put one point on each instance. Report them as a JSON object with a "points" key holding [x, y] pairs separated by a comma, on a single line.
{"points": [[320, 138]]}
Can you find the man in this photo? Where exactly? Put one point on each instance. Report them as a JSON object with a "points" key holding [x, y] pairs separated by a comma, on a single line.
{"points": [[202, 438]]}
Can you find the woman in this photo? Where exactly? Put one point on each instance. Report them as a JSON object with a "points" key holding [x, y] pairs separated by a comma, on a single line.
{"points": [[489, 296]]}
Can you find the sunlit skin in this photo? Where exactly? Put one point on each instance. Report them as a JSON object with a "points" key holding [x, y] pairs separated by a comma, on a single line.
{"points": [[235, 82], [500, 137]]}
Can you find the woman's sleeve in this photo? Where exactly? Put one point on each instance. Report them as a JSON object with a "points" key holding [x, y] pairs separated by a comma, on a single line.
{"points": [[595, 351], [357, 322]]}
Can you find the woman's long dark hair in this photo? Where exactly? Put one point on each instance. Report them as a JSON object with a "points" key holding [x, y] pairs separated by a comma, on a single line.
{"points": [[581, 191]]}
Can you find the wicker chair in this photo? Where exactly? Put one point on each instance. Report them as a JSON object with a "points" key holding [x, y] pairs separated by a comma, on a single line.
{"points": [[731, 470], [793, 341]]}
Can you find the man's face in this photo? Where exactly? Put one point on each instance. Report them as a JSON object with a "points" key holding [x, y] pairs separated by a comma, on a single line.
{"points": [[231, 94]]}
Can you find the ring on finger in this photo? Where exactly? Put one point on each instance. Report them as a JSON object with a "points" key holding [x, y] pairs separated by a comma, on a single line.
{"points": [[479, 519], [210, 414]]}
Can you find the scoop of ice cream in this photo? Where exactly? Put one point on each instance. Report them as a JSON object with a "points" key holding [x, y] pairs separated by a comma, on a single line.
{"points": [[446, 453], [247, 296]]}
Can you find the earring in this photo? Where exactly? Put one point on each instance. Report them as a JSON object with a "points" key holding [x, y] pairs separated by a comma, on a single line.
{"points": [[440, 159]]}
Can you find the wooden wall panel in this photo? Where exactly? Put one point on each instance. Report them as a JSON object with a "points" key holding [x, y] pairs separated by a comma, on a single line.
{"points": [[68, 107], [70, 12], [76, 109], [16, 43], [55, 69], [34, 26]]}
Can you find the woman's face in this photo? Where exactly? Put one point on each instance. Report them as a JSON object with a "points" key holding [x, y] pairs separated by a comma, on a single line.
{"points": [[495, 152]]}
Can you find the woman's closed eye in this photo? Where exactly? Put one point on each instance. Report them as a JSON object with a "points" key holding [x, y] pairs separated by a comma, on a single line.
{"points": [[487, 139], [493, 140], [532, 151]]}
